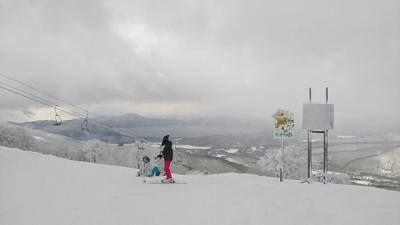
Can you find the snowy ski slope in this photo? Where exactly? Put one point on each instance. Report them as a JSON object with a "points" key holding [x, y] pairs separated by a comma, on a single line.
{"points": [[46, 190]]}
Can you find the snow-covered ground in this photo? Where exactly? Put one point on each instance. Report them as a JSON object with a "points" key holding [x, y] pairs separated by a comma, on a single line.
{"points": [[46, 190], [350, 160], [96, 151], [232, 150], [191, 147], [345, 136]]}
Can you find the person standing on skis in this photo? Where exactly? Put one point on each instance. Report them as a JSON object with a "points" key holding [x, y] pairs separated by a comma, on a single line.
{"points": [[167, 154]]}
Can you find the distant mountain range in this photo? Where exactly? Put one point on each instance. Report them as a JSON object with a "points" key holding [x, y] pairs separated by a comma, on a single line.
{"points": [[124, 128], [232, 146]]}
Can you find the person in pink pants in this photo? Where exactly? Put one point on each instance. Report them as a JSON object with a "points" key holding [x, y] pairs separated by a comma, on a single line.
{"points": [[168, 156]]}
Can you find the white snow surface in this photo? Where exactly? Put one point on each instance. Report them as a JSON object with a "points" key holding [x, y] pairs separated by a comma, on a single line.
{"points": [[345, 136], [46, 190], [235, 161], [38, 138], [191, 147], [312, 140], [232, 150], [361, 182]]}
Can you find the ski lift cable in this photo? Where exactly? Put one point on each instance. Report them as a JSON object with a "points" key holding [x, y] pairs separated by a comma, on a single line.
{"points": [[26, 93], [46, 94], [36, 97], [70, 113], [39, 101], [26, 96], [51, 104], [33, 99], [40, 91]]}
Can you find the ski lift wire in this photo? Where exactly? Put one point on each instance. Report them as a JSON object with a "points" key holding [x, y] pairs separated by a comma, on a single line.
{"points": [[26, 93], [40, 101], [26, 96], [46, 94], [72, 113], [40, 91], [48, 103]]}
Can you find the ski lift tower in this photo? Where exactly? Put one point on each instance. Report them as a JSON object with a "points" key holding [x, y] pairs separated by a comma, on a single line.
{"points": [[318, 118]]}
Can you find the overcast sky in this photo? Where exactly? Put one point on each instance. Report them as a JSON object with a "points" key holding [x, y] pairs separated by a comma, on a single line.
{"points": [[204, 58]]}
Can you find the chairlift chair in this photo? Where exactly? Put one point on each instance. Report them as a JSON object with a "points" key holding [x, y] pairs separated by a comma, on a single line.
{"points": [[57, 117], [84, 125]]}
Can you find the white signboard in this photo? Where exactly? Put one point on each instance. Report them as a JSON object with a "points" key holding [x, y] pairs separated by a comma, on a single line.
{"points": [[318, 116], [284, 123]]}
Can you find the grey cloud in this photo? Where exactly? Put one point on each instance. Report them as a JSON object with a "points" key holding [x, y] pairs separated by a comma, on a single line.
{"points": [[243, 58], [28, 113]]}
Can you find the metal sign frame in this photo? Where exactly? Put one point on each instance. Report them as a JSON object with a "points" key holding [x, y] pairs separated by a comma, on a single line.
{"points": [[309, 140]]}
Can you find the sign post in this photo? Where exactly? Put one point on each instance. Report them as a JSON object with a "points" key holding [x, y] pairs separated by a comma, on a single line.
{"points": [[283, 129]]}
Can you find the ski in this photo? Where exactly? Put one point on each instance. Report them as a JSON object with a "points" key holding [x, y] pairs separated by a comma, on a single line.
{"points": [[159, 182]]}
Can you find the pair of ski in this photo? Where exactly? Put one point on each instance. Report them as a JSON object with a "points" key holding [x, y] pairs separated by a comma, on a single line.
{"points": [[160, 182]]}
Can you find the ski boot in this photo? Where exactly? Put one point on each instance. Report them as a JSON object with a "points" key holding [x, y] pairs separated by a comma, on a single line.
{"points": [[167, 181]]}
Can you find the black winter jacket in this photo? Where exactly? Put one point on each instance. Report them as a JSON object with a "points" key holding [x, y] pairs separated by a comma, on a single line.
{"points": [[168, 151]]}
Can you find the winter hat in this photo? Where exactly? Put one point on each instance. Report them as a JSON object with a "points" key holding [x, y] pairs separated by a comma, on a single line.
{"points": [[146, 159]]}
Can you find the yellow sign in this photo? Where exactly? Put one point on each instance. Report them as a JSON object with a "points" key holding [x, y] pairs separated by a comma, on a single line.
{"points": [[284, 123]]}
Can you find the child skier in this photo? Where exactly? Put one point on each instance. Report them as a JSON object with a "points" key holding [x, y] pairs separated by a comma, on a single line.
{"points": [[167, 154], [144, 170], [155, 171], [156, 166]]}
